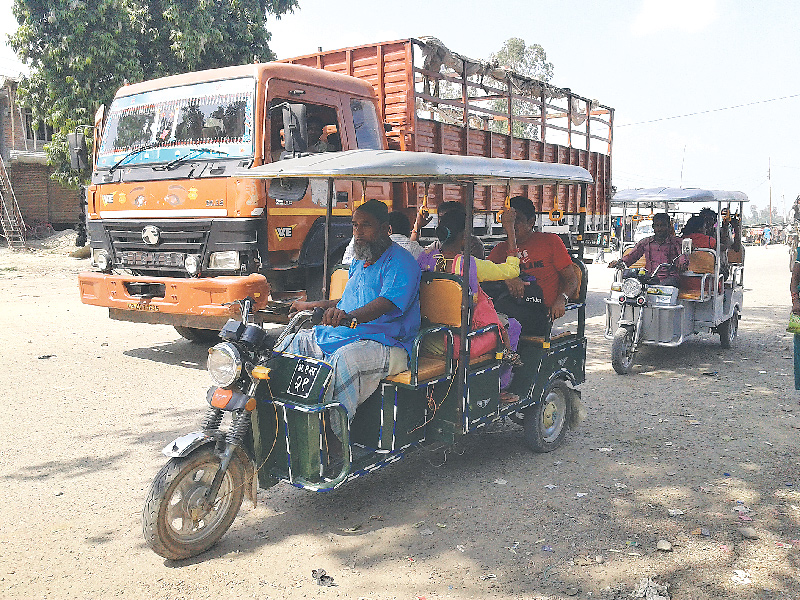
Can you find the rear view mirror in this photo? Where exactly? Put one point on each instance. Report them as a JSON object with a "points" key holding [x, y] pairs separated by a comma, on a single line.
{"points": [[78, 156], [295, 128]]}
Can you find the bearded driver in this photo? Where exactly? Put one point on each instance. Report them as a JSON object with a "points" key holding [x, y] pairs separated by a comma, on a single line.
{"points": [[663, 247], [382, 296]]}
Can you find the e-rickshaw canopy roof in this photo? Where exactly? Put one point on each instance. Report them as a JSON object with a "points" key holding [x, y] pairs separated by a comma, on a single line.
{"points": [[667, 194], [395, 165]]}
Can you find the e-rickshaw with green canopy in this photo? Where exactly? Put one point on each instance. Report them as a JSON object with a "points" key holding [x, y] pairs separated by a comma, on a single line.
{"points": [[277, 401], [709, 294]]}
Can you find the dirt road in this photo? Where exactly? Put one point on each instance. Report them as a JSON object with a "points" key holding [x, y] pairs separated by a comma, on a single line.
{"points": [[695, 445]]}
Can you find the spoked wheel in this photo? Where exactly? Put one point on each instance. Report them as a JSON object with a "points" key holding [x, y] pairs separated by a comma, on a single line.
{"points": [[622, 350], [728, 330], [176, 524], [198, 336], [546, 422]]}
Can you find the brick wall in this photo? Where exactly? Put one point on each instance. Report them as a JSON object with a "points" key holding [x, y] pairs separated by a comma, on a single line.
{"points": [[42, 199]]}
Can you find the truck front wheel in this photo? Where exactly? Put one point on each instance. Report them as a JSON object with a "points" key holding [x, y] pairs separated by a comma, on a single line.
{"points": [[198, 336]]}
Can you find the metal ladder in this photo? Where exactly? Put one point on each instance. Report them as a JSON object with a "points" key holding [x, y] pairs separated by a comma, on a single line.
{"points": [[10, 215]]}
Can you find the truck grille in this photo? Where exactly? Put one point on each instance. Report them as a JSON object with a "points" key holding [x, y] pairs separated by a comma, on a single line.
{"points": [[177, 239]]}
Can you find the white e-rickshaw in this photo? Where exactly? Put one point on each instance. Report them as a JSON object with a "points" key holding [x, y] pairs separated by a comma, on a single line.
{"points": [[709, 296]]}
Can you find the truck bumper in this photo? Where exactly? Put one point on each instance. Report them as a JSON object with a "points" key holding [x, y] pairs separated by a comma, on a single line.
{"points": [[172, 301]]}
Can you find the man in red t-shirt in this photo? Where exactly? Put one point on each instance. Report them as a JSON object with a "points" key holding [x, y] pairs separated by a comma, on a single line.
{"points": [[547, 279]]}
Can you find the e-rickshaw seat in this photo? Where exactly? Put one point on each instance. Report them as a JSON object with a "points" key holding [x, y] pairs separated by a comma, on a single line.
{"points": [[696, 281], [735, 258], [440, 296], [440, 308], [338, 281], [576, 301]]}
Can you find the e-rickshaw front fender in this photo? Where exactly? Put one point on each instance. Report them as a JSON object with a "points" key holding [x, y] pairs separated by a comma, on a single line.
{"points": [[186, 444]]}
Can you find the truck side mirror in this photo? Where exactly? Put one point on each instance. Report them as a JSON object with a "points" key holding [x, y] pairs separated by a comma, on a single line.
{"points": [[288, 189], [295, 132], [78, 156]]}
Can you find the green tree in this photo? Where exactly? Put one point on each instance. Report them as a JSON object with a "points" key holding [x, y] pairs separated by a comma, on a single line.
{"points": [[525, 59], [81, 51]]}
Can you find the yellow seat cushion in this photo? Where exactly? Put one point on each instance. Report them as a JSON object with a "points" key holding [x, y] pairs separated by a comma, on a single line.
{"points": [[428, 367], [338, 282], [537, 339], [431, 367], [702, 261]]}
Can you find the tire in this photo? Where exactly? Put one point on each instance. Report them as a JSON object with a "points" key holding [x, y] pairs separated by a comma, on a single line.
{"points": [[169, 528], [728, 330], [198, 336], [545, 423], [622, 351]]}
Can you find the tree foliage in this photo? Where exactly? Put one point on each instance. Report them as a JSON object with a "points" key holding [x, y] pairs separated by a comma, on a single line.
{"points": [[81, 51], [529, 60], [760, 216]]}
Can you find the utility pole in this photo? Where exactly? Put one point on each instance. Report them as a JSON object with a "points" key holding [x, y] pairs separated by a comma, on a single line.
{"points": [[769, 177]]}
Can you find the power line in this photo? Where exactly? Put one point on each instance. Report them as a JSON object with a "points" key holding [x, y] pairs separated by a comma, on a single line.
{"points": [[703, 112]]}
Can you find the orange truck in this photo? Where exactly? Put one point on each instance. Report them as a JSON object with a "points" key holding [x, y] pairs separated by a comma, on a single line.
{"points": [[175, 238]]}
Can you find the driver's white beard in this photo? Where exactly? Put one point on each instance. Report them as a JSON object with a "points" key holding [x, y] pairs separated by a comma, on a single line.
{"points": [[368, 251]]}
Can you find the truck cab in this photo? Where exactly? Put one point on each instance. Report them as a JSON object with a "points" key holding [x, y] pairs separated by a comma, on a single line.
{"points": [[174, 235]]}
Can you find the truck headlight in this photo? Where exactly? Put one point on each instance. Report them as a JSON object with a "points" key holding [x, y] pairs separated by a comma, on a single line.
{"points": [[192, 264], [224, 364], [227, 260], [101, 259]]}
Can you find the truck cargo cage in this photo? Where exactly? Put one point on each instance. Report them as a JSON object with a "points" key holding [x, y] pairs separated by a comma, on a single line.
{"points": [[440, 101]]}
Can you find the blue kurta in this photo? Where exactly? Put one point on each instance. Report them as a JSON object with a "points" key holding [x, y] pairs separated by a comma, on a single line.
{"points": [[395, 276]]}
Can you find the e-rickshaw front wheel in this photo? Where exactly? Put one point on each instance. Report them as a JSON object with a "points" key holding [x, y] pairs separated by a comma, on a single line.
{"points": [[622, 350], [176, 521], [546, 422]]}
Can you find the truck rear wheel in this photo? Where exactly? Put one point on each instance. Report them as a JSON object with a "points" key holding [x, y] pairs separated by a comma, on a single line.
{"points": [[198, 336]]}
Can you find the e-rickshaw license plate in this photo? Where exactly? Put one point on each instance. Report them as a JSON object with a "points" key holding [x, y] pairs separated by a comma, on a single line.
{"points": [[303, 378]]}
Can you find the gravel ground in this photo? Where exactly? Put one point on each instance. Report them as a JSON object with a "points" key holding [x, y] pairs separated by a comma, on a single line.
{"points": [[697, 444]]}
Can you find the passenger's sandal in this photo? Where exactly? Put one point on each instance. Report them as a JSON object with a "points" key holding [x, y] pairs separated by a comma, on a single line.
{"points": [[512, 358]]}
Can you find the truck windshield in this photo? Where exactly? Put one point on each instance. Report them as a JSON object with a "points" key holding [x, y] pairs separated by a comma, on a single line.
{"points": [[215, 115]]}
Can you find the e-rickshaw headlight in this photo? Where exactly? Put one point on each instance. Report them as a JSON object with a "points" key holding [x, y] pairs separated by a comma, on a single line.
{"points": [[631, 287], [224, 364]]}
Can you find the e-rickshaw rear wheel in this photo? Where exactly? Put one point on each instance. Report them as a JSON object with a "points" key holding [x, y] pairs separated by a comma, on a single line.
{"points": [[622, 350], [175, 522], [728, 330], [545, 423]]}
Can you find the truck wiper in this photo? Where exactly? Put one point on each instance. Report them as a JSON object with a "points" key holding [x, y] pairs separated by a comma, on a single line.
{"points": [[192, 153], [133, 152]]}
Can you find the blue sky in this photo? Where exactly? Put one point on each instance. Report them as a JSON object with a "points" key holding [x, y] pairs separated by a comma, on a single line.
{"points": [[649, 59]]}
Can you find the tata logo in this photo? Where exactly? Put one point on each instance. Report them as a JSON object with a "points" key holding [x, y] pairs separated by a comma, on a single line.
{"points": [[151, 235], [283, 232]]}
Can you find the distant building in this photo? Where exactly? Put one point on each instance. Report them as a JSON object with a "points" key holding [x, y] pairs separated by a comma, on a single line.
{"points": [[40, 198]]}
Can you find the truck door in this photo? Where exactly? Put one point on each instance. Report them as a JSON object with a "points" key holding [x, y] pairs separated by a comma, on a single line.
{"points": [[289, 222]]}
